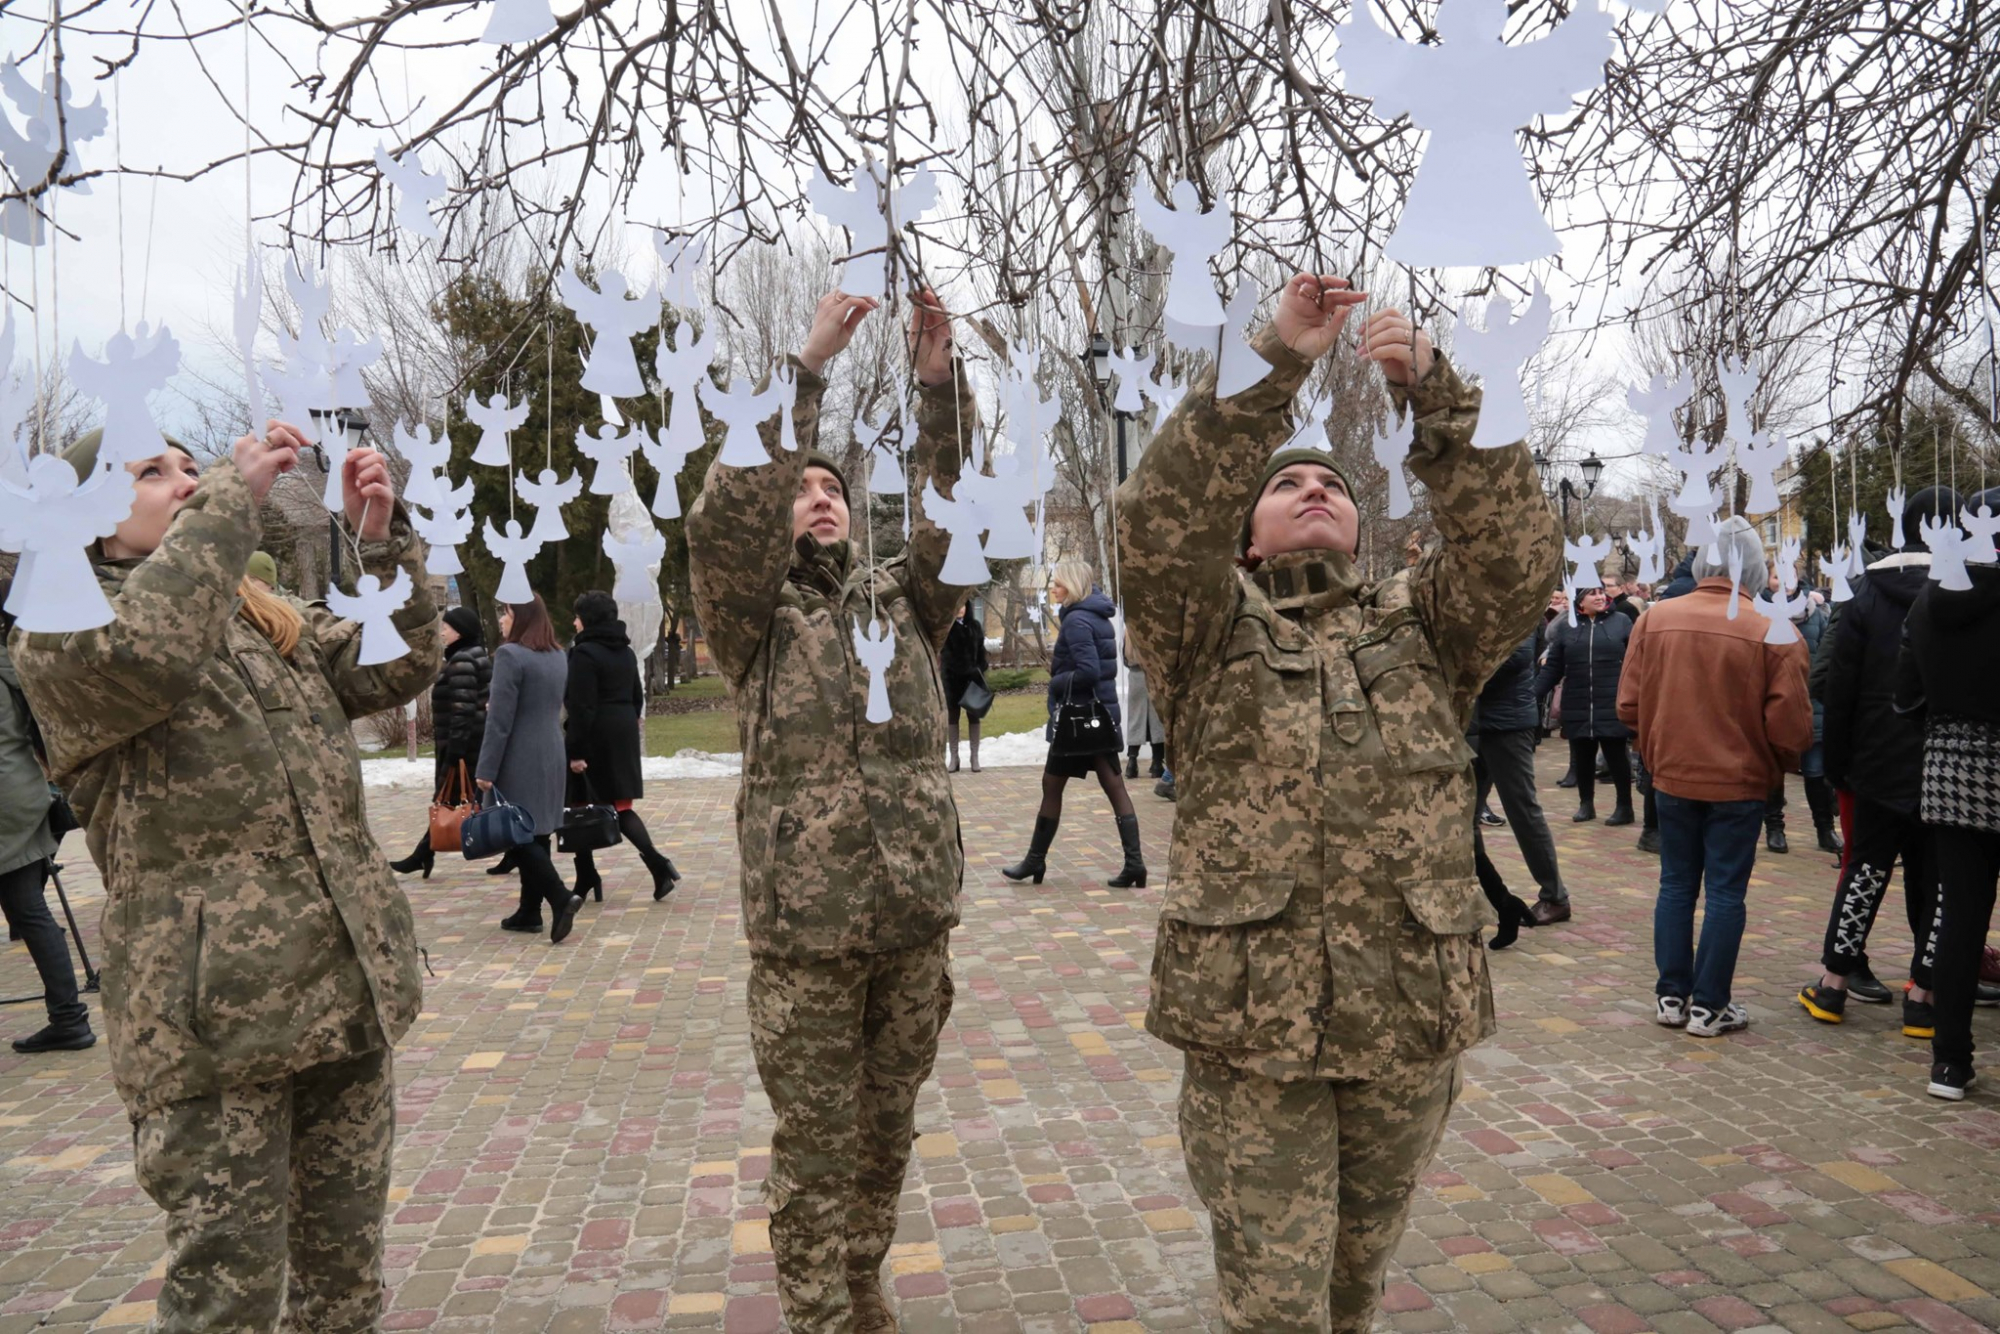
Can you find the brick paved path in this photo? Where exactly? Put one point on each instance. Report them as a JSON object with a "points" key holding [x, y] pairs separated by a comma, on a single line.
{"points": [[582, 1133]]}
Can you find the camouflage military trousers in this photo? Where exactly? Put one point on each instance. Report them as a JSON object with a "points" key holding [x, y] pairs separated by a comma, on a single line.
{"points": [[1308, 1185], [842, 1045], [262, 1178]]}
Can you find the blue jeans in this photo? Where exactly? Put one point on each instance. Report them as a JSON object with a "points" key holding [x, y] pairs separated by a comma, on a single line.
{"points": [[1712, 843]]}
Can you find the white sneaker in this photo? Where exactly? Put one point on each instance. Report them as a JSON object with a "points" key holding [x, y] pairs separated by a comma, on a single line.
{"points": [[1670, 1011], [1706, 1023]]}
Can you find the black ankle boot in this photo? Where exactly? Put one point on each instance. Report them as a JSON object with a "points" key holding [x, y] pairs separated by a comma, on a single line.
{"points": [[665, 875], [1514, 914], [507, 865], [1134, 874], [1036, 863], [423, 859], [588, 881], [1132, 762]]}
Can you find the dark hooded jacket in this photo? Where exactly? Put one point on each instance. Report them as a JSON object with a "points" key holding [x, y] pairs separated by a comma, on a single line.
{"points": [[1507, 701], [1683, 581], [1950, 643], [1587, 658], [602, 708], [1085, 661], [458, 703]]}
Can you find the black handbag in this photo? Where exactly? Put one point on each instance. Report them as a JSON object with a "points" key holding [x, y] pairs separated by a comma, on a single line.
{"points": [[976, 698], [588, 827], [495, 829], [62, 818], [1083, 730]]}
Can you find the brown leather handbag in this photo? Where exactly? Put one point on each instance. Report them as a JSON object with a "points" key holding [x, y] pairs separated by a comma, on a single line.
{"points": [[454, 801]]}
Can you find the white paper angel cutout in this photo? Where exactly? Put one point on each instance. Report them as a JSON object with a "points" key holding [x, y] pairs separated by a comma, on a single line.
{"points": [[1166, 394], [608, 448], [1857, 542], [52, 522], [884, 451], [26, 156], [1979, 529], [1778, 612], [1700, 524], [1738, 380], [1648, 547], [875, 649], [1587, 554], [428, 454], [513, 22], [1788, 565], [373, 606], [964, 562], [786, 382], [1695, 461], [1833, 568], [442, 532], [1195, 236], [1030, 414], [134, 366], [635, 563], [416, 189], [742, 411], [245, 320], [859, 208], [1391, 446], [1735, 567], [548, 496], [1472, 203], [29, 153], [1239, 366], [1001, 501], [1895, 502], [494, 418], [618, 319], [682, 256], [513, 551], [1569, 596], [1132, 371], [1760, 460], [1656, 403], [1498, 354], [348, 356], [314, 299], [1310, 433], [1947, 546], [666, 461]]}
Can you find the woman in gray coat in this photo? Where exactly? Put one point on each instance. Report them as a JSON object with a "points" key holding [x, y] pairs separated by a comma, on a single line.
{"points": [[522, 755]]}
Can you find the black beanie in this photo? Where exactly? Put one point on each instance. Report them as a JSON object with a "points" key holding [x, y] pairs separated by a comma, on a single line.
{"points": [[466, 621]]}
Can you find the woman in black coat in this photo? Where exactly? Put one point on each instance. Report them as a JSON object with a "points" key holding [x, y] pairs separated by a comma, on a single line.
{"points": [[963, 662], [1083, 667], [458, 715], [603, 736], [1587, 659]]}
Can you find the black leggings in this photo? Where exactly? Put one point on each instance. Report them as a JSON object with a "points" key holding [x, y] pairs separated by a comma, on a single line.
{"points": [[540, 881], [1968, 864], [1108, 778], [1583, 762]]}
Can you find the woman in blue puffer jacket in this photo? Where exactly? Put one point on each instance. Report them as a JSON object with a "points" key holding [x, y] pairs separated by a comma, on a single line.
{"points": [[1083, 667]]}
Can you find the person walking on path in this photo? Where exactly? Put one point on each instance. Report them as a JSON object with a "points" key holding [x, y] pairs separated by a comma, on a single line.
{"points": [[1586, 658], [964, 662], [602, 733], [1319, 959], [1504, 734], [521, 757], [1722, 716], [1876, 754], [458, 715], [1083, 667], [1142, 723], [849, 834], [260, 962]]}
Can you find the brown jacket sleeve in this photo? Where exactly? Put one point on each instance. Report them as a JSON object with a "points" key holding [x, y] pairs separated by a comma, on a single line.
{"points": [[1632, 675], [1787, 701]]}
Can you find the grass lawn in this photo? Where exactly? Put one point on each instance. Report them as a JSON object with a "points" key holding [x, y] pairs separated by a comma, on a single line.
{"points": [[715, 731]]}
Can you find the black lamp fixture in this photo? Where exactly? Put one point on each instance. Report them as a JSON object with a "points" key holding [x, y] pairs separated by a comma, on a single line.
{"points": [[1543, 467], [1098, 358], [1593, 468]]}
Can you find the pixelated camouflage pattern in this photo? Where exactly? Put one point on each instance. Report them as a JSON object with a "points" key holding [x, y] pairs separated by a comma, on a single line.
{"points": [[261, 1181], [251, 925], [847, 829], [1321, 917], [842, 1046], [1308, 1184]]}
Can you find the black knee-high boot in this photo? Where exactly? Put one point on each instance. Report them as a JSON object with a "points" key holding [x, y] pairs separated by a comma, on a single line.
{"points": [[1513, 913], [588, 881], [661, 866], [420, 860]]}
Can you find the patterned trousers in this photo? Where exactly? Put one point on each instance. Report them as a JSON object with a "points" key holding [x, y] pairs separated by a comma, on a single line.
{"points": [[842, 1045], [259, 1179]]}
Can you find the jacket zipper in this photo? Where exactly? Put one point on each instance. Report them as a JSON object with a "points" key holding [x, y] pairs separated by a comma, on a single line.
{"points": [[1590, 674]]}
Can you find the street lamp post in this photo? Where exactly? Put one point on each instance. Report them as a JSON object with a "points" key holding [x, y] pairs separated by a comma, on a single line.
{"points": [[1592, 469], [1098, 358]]}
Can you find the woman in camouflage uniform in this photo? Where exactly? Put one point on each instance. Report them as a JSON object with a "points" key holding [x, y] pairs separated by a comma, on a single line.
{"points": [[259, 959], [1318, 957], [847, 829]]}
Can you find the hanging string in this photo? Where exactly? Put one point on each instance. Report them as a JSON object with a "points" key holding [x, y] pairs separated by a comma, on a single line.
{"points": [[118, 155], [549, 400]]}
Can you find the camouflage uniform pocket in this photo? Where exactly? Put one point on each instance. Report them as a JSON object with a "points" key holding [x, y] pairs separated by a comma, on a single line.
{"points": [[1406, 690], [1251, 986], [1441, 966], [1265, 701]]}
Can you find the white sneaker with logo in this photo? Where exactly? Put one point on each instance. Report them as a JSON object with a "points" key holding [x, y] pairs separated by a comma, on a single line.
{"points": [[1706, 1023], [1670, 1011]]}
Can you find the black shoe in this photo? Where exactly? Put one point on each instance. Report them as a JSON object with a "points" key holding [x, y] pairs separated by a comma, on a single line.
{"points": [[520, 923], [1863, 986], [1132, 766], [665, 876], [1514, 914], [1774, 838], [1826, 1004], [1985, 993], [1950, 1081], [1489, 819], [1919, 1020], [1548, 912], [56, 1039], [1567, 780], [589, 882], [1133, 876], [1649, 841], [1829, 841], [1036, 863], [1164, 789], [423, 859], [1584, 813], [505, 866], [1621, 816], [565, 919], [1156, 770]]}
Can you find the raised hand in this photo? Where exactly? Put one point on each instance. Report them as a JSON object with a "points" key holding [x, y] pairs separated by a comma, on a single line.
{"points": [[262, 461], [1403, 351], [833, 325], [1312, 312], [930, 338], [369, 494]]}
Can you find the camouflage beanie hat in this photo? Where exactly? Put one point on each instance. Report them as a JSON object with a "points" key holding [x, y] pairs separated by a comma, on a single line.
{"points": [[815, 459], [81, 453], [1280, 461]]}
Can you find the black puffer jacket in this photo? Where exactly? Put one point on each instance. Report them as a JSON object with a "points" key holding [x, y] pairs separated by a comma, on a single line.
{"points": [[1507, 702], [964, 653], [602, 704], [1085, 660], [1950, 643], [1587, 658], [1872, 750], [458, 704]]}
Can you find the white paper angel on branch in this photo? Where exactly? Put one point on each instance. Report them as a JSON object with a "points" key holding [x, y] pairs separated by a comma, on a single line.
{"points": [[1587, 554], [859, 208], [1979, 530], [1497, 355], [1857, 543], [1391, 445], [1947, 547], [1833, 567], [875, 650], [134, 366], [512, 22], [50, 115], [681, 256], [1656, 403], [617, 319], [1000, 500], [742, 411], [1472, 203], [416, 190], [428, 455], [882, 445], [1195, 236], [442, 532], [1760, 460], [548, 495], [1781, 611], [667, 461], [609, 448], [635, 562], [373, 606], [1238, 365], [495, 418], [964, 562], [513, 550], [52, 522], [1132, 371]]}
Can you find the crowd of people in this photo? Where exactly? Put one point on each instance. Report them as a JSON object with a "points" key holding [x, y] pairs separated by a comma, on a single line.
{"points": [[1320, 960]]}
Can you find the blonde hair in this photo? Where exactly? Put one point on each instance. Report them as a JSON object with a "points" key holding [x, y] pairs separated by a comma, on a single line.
{"points": [[1075, 575], [274, 618]]}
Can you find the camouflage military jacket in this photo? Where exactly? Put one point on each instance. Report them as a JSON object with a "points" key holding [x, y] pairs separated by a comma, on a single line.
{"points": [[847, 829], [251, 926], [1321, 917]]}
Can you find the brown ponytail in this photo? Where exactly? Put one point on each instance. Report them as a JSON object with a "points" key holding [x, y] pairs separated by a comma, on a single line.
{"points": [[274, 618]]}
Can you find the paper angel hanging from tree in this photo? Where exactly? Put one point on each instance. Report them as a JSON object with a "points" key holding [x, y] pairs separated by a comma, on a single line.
{"points": [[52, 522], [617, 319], [513, 22], [1779, 611], [1760, 460], [416, 190], [1656, 403], [680, 368], [442, 532], [1979, 530], [1833, 568], [513, 551], [1132, 371], [1472, 203], [548, 496], [1497, 355], [1789, 552], [742, 411], [682, 257], [1947, 547], [1001, 500], [494, 418], [1896, 500], [882, 445], [667, 461], [1195, 236], [133, 367], [1238, 365], [1738, 379], [609, 448], [50, 118], [1166, 395], [964, 562], [1857, 543], [1587, 553], [859, 209], [427, 454], [875, 650], [635, 562], [373, 606]]}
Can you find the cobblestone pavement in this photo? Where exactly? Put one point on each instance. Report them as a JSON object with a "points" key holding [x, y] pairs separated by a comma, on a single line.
{"points": [[582, 1135]]}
